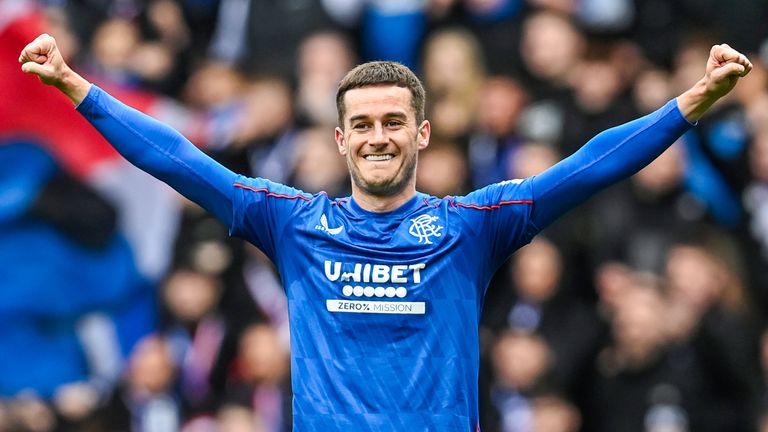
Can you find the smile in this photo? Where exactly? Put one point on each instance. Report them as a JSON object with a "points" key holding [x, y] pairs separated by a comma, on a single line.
{"points": [[378, 157]]}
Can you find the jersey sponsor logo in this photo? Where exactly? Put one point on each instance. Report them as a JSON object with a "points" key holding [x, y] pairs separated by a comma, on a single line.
{"points": [[324, 226], [369, 291], [373, 273], [377, 307], [423, 228], [374, 280]]}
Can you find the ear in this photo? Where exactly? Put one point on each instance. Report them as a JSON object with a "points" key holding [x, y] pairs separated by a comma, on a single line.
{"points": [[425, 130], [340, 142]]}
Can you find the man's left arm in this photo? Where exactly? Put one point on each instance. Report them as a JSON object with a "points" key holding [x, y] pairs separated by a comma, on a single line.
{"points": [[619, 152]]}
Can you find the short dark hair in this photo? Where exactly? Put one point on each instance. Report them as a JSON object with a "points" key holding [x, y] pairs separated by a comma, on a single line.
{"points": [[382, 72]]}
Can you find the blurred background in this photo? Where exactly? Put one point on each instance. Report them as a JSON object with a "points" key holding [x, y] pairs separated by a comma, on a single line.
{"points": [[123, 307]]}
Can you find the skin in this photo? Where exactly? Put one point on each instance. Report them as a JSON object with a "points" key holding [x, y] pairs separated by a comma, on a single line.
{"points": [[380, 121]]}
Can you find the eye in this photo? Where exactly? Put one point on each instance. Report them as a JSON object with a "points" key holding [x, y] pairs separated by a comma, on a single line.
{"points": [[361, 126], [393, 123]]}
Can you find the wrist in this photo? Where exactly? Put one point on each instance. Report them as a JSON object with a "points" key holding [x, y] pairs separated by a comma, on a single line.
{"points": [[73, 86], [694, 102]]}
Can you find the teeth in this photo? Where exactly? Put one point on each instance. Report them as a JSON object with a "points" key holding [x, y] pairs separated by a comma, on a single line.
{"points": [[379, 157]]}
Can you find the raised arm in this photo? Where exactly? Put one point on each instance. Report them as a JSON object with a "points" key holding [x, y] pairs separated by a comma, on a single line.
{"points": [[147, 143], [619, 152]]}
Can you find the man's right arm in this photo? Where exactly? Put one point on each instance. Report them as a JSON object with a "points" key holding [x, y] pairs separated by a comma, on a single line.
{"points": [[147, 143]]}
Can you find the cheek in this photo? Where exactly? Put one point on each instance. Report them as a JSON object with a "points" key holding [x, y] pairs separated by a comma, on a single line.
{"points": [[351, 146]]}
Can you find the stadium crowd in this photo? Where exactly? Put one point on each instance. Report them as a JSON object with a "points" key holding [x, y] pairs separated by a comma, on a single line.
{"points": [[126, 308]]}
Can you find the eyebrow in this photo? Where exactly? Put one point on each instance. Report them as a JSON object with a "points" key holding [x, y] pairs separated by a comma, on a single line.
{"points": [[389, 115]]}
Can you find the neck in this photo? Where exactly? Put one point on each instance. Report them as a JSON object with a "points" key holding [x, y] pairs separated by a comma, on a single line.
{"points": [[381, 204]]}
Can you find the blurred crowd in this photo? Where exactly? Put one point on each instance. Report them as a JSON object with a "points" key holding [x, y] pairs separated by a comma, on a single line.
{"points": [[125, 307]]}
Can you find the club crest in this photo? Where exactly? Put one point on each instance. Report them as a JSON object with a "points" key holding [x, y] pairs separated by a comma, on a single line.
{"points": [[423, 228]]}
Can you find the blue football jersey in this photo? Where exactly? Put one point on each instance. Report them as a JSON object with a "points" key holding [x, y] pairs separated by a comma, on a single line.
{"points": [[384, 307]]}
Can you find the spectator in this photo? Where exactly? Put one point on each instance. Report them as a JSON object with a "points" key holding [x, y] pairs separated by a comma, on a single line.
{"points": [[323, 58], [249, 85], [272, 32], [259, 378], [316, 168], [709, 314], [539, 304], [494, 140], [598, 99], [113, 45], [550, 49], [634, 373], [145, 401], [453, 74], [521, 364], [553, 413], [443, 171], [195, 333]]}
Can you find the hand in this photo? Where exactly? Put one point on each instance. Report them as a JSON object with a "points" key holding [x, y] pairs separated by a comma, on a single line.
{"points": [[724, 68], [41, 57]]}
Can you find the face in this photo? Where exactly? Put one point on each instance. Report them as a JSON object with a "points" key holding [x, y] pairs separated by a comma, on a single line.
{"points": [[694, 276], [520, 360], [536, 271], [262, 356], [381, 140], [190, 296], [151, 366]]}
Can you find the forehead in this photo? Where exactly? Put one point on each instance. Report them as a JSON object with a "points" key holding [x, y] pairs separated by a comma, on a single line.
{"points": [[377, 100]]}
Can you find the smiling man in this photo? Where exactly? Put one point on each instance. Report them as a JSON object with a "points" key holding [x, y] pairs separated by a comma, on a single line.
{"points": [[385, 288], [379, 124]]}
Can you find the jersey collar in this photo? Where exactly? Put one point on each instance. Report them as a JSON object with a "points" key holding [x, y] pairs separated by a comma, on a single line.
{"points": [[408, 207]]}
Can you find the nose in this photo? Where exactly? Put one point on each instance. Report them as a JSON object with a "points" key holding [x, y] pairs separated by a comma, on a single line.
{"points": [[379, 135]]}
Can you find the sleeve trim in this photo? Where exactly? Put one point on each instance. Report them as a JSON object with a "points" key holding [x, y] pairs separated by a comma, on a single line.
{"points": [[488, 207], [271, 194]]}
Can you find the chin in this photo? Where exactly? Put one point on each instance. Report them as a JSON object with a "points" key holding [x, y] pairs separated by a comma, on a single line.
{"points": [[385, 188], [384, 185], [379, 189]]}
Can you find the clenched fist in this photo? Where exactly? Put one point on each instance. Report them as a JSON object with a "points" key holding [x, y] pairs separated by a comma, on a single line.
{"points": [[723, 69], [41, 57]]}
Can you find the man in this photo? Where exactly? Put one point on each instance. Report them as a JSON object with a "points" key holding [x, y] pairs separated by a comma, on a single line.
{"points": [[385, 288]]}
